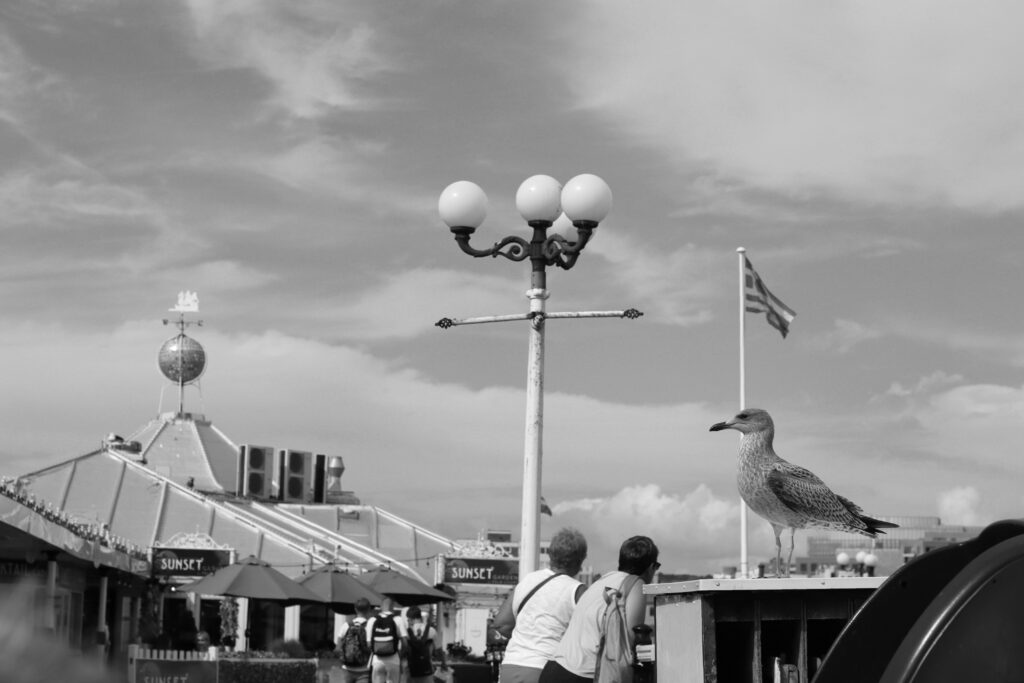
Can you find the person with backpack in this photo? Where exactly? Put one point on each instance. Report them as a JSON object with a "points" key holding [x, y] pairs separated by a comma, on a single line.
{"points": [[354, 645], [537, 611], [420, 637], [601, 627], [387, 634]]}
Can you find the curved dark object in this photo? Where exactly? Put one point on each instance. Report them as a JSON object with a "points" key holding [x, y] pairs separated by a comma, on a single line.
{"points": [[973, 630], [894, 633]]}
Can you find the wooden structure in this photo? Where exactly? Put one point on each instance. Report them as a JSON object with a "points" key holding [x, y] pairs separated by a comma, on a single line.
{"points": [[751, 630]]}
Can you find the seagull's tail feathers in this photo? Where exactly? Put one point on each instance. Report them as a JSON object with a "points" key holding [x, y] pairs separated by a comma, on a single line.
{"points": [[875, 526], [871, 526]]}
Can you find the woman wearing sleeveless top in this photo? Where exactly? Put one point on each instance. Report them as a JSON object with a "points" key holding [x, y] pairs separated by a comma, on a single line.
{"points": [[575, 658], [539, 608]]}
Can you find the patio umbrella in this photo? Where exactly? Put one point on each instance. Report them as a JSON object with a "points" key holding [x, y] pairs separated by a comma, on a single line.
{"points": [[253, 578], [401, 588], [338, 589]]}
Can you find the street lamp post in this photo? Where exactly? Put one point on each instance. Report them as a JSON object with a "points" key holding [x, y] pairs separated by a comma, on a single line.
{"points": [[586, 201]]}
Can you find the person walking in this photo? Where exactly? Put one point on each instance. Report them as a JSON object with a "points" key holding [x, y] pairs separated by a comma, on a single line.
{"points": [[387, 633], [575, 658], [420, 637], [354, 645], [537, 612]]}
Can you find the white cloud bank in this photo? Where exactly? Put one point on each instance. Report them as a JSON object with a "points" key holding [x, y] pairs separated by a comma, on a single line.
{"points": [[696, 532], [414, 445]]}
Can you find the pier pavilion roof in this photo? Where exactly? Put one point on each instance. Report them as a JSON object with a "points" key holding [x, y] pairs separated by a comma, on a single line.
{"points": [[142, 493]]}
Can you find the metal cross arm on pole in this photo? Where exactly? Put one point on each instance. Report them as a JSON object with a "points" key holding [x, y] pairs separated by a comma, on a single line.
{"points": [[629, 314], [445, 323], [586, 201]]}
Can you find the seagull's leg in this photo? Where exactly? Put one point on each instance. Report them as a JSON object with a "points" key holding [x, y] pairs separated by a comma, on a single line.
{"points": [[778, 550], [792, 544]]}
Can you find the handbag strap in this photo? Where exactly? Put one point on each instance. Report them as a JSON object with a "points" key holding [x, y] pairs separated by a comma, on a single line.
{"points": [[623, 591], [632, 580], [535, 589]]}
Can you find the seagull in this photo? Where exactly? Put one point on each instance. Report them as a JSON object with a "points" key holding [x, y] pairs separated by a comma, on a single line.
{"points": [[786, 495]]}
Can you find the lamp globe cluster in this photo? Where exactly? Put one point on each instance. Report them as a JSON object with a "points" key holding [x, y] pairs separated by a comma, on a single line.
{"points": [[540, 198]]}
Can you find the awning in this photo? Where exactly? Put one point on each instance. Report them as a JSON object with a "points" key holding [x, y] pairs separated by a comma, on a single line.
{"points": [[36, 523]]}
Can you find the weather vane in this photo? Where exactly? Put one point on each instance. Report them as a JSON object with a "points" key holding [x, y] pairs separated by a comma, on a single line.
{"points": [[188, 302]]}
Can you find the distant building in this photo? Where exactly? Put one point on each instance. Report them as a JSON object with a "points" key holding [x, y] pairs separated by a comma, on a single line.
{"points": [[502, 541], [915, 536]]}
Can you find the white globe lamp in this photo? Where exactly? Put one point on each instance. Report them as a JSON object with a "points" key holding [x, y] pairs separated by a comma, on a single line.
{"points": [[539, 198], [463, 204], [586, 198]]}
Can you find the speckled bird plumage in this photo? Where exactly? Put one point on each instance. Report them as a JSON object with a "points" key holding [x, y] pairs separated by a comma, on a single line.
{"points": [[786, 495]]}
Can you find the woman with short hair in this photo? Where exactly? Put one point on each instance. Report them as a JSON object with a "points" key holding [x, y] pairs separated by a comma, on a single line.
{"points": [[539, 608]]}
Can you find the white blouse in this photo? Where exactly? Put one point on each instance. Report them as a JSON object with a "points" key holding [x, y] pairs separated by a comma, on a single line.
{"points": [[542, 621]]}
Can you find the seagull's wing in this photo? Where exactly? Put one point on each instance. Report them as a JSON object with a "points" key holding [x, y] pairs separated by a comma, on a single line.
{"points": [[805, 494], [850, 505]]}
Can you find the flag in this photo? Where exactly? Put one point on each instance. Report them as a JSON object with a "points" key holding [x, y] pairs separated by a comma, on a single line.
{"points": [[760, 300], [544, 508]]}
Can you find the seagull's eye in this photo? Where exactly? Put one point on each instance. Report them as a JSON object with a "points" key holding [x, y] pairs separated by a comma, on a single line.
{"points": [[743, 416]]}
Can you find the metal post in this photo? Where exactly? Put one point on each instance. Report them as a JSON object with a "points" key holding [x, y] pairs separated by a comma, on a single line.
{"points": [[242, 637], [742, 253], [136, 612], [102, 632], [529, 539], [51, 593]]}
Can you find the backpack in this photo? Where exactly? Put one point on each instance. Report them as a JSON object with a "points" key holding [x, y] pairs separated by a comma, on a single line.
{"points": [[385, 635], [420, 652], [614, 654], [355, 652]]}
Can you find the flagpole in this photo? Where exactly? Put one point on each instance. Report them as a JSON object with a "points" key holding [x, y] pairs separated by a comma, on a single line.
{"points": [[741, 252]]}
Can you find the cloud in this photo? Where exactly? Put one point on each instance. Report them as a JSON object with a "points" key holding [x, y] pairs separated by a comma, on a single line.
{"points": [[695, 532], [102, 226], [863, 101], [946, 334], [845, 335], [21, 81], [675, 286], [960, 506], [277, 389], [967, 432], [317, 164], [69, 195], [417, 298], [221, 275], [337, 170], [924, 385], [647, 506], [989, 404], [317, 56]]}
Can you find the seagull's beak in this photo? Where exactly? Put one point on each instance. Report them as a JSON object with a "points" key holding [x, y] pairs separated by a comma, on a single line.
{"points": [[719, 426]]}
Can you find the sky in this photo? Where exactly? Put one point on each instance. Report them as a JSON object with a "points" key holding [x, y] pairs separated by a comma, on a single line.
{"points": [[284, 161]]}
